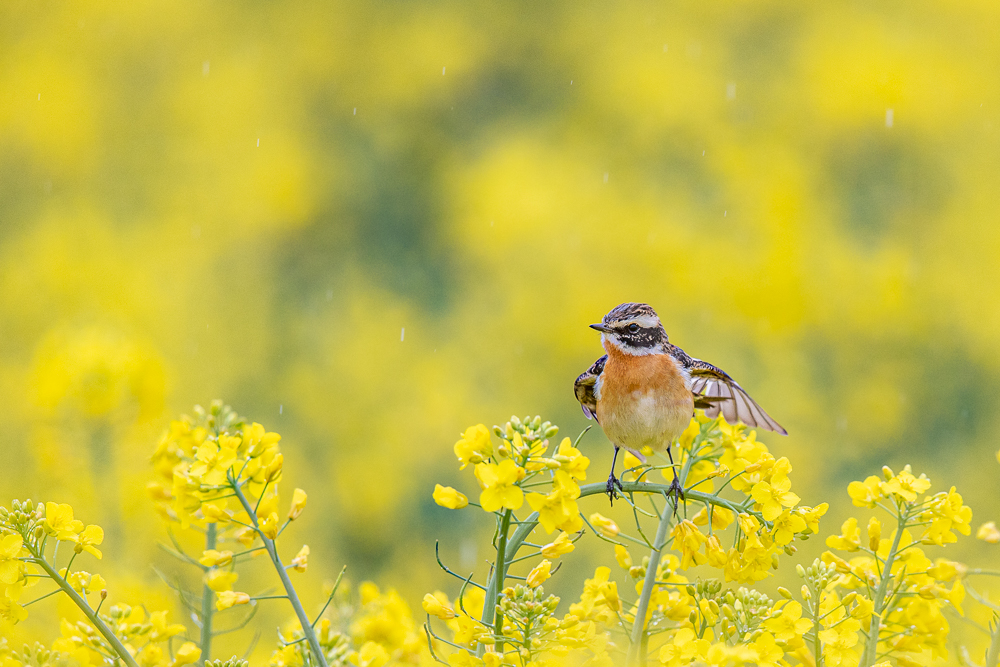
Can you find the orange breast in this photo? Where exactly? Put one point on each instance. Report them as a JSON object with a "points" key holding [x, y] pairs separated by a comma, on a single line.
{"points": [[643, 401]]}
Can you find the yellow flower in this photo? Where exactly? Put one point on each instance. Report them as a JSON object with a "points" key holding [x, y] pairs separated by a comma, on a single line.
{"points": [[721, 517], [866, 493], [786, 525], [839, 642], [464, 659], [906, 486], [948, 514], [372, 654], [558, 509], [213, 558], [561, 546], [863, 609], [716, 556], [11, 569], [269, 526], [768, 652], [775, 495], [849, 538], [623, 557], [227, 599], [445, 496], [301, 560], [688, 540], [498, 482], [571, 460], [789, 624], [683, 648], [89, 539], [162, 630], [475, 446], [988, 532], [811, 516], [437, 604], [60, 523], [604, 525], [956, 595], [539, 574], [299, 498], [187, 654], [220, 580], [874, 533]]}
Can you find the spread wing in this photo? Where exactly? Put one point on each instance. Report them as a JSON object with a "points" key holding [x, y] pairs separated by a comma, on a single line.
{"points": [[714, 391], [585, 387]]}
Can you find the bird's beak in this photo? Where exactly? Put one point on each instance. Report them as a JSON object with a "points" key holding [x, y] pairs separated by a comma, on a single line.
{"points": [[601, 328]]}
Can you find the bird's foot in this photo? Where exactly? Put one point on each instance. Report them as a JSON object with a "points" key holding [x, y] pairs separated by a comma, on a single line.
{"points": [[610, 488], [677, 491]]}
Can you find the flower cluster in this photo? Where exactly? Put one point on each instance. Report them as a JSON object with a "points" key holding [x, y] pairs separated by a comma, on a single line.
{"points": [[908, 592]]}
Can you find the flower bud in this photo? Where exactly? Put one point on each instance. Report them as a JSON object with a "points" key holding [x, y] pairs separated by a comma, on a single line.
{"points": [[806, 593], [874, 533], [887, 473], [784, 592], [801, 571]]}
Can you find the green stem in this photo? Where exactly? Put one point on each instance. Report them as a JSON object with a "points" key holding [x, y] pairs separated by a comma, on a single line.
{"points": [[871, 646], [817, 644], [91, 615], [490, 615], [993, 654], [635, 653], [207, 598], [307, 628]]}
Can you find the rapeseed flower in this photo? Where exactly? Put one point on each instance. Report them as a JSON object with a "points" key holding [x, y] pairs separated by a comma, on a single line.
{"points": [[988, 532], [89, 539], [866, 493], [905, 485], [539, 574], [561, 546], [789, 624], [437, 604], [558, 509], [849, 538], [683, 648], [499, 485], [688, 540], [475, 446], [220, 580], [187, 654], [299, 499], [604, 525], [301, 560], [571, 460], [227, 599], [59, 522], [773, 496], [11, 567], [445, 496], [213, 558]]}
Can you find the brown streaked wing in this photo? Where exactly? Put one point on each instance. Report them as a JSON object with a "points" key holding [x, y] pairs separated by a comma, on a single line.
{"points": [[585, 388], [714, 389]]}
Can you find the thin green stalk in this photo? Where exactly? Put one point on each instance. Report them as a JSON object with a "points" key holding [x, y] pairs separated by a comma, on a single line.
{"points": [[993, 654], [817, 644], [871, 646], [91, 615], [490, 617], [635, 653], [307, 628], [207, 597]]}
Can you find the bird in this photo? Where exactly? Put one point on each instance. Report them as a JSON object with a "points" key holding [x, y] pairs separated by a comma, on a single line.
{"points": [[644, 391]]}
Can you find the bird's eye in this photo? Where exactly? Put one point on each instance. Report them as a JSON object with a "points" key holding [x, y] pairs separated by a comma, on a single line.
{"points": [[633, 328]]}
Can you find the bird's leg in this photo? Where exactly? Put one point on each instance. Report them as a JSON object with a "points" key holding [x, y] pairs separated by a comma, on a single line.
{"points": [[675, 486], [612, 480]]}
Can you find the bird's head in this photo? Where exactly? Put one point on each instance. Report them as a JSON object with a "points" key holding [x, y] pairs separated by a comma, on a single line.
{"points": [[633, 328]]}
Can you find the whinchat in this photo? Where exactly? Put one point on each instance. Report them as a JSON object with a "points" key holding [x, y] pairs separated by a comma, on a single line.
{"points": [[645, 390]]}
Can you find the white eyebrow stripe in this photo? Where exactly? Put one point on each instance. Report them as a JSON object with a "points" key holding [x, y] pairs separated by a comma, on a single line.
{"points": [[645, 321]]}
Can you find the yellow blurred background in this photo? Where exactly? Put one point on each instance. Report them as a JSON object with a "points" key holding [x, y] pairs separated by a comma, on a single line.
{"points": [[368, 225]]}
